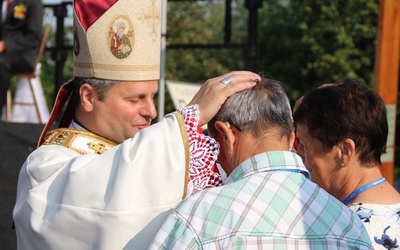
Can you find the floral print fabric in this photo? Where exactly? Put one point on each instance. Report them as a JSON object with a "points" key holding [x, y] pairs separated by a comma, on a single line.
{"points": [[382, 223]]}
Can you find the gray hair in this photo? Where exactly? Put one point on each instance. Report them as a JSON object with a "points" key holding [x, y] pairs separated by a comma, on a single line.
{"points": [[264, 106], [121, 24], [101, 86]]}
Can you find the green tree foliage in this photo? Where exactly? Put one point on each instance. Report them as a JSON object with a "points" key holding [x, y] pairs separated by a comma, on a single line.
{"points": [[202, 23], [301, 43], [47, 75], [310, 42]]}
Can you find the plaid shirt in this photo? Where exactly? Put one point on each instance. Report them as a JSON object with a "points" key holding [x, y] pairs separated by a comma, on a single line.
{"points": [[267, 202]]}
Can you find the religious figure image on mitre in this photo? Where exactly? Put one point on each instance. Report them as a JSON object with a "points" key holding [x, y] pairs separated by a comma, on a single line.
{"points": [[19, 11], [121, 45]]}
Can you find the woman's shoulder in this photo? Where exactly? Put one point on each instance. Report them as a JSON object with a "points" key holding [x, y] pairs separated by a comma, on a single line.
{"points": [[381, 221], [381, 211]]}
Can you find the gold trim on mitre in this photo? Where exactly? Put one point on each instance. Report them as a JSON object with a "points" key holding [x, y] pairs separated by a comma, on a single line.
{"points": [[124, 43], [81, 141]]}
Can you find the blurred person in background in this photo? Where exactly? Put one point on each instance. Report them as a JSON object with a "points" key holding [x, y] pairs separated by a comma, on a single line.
{"points": [[20, 35]]}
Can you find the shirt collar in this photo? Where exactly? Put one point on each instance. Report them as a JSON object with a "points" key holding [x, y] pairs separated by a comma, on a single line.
{"points": [[76, 125], [269, 161]]}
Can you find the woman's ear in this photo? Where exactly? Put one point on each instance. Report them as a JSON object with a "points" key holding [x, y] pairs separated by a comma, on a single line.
{"points": [[347, 150], [87, 95]]}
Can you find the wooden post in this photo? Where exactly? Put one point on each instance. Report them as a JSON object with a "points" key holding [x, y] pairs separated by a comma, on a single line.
{"points": [[387, 73]]}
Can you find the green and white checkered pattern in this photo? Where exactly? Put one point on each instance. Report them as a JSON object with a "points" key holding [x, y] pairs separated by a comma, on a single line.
{"points": [[268, 202]]}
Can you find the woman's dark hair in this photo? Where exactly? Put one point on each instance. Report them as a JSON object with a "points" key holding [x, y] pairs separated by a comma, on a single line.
{"points": [[347, 109]]}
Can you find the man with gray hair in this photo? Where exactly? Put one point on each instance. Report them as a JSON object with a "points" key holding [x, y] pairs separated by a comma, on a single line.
{"points": [[268, 201]]}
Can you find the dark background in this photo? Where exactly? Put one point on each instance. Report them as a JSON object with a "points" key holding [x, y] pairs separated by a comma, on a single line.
{"points": [[17, 141]]}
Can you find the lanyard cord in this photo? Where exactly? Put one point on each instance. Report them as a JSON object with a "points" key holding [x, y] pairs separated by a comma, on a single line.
{"points": [[286, 170], [362, 189]]}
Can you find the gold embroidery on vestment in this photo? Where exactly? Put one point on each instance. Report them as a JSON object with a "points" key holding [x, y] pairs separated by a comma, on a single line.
{"points": [[185, 138], [66, 137], [99, 147]]}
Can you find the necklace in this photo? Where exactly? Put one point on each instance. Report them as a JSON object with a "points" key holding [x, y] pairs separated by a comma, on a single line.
{"points": [[362, 189]]}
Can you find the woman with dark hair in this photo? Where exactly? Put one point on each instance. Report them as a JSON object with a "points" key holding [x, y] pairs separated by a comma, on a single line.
{"points": [[342, 131]]}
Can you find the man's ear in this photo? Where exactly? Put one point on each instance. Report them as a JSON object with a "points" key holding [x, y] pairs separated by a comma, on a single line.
{"points": [[87, 95], [222, 129], [228, 137], [347, 150], [292, 138]]}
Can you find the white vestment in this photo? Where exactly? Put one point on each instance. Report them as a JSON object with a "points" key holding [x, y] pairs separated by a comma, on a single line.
{"points": [[114, 200]]}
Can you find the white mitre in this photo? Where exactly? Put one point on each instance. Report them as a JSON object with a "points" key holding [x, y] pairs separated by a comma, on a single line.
{"points": [[118, 41]]}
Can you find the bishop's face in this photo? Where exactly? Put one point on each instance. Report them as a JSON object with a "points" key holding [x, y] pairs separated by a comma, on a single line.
{"points": [[127, 108]]}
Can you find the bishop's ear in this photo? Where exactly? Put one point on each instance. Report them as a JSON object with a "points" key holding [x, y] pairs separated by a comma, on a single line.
{"points": [[87, 95]]}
